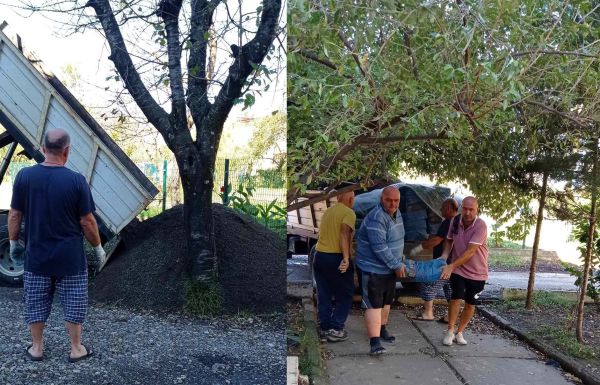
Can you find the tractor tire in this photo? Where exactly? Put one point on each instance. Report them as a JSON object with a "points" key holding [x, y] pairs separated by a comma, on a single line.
{"points": [[11, 272]]}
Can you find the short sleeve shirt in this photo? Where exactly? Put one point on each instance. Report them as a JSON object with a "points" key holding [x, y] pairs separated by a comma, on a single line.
{"points": [[52, 200], [476, 268], [331, 227], [442, 232]]}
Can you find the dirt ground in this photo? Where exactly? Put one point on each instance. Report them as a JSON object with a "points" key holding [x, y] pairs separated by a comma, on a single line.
{"points": [[150, 269], [541, 321]]}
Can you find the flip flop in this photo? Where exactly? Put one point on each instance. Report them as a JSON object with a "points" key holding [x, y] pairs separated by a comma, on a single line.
{"points": [[31, 356], [89, 353], [442, 320], [420, 318]]}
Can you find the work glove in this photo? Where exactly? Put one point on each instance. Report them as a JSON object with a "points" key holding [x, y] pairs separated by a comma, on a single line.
{"points": [[17, 248], [100, 256], [415, 251]]}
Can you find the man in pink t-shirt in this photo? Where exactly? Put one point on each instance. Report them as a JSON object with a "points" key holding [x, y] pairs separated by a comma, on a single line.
{"points": [[467, 241]]}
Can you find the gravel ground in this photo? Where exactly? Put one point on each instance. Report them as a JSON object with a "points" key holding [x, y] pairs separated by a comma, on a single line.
{"points": [[141, 348]]}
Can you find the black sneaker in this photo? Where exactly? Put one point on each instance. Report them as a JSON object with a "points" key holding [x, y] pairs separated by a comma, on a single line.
{"points": [[323, 335], [337, 335], [386, 336]]}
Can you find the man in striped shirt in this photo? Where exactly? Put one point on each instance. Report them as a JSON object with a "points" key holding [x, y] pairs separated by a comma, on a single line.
{"points": [[380, 242]]}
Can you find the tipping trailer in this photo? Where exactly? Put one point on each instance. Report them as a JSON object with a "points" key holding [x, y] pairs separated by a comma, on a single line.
{"points": [[32, 101]]}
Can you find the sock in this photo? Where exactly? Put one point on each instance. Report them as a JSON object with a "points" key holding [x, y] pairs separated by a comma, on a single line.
{"points": [[385, 335], [374, 341]]}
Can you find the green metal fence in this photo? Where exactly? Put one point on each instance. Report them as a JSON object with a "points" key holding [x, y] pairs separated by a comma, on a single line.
{"points": [[254, 187]]}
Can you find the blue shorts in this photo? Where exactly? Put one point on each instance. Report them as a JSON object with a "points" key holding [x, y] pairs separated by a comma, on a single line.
{"points": [[39, 291]]}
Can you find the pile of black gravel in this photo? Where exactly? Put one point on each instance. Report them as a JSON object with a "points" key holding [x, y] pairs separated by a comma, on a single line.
{"points": [[149, 271]]}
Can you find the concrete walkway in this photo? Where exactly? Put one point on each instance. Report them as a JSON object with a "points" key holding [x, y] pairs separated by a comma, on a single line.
{"points": [[419, 358]]}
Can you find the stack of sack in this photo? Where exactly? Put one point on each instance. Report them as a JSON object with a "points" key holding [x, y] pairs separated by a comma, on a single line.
{"points": [[414, 215]]}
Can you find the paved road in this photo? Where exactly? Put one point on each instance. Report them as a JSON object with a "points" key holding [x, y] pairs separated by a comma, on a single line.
{"points": [[419, 358]]}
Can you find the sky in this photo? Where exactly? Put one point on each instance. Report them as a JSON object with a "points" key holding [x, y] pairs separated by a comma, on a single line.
{"points": [[88, 53]]}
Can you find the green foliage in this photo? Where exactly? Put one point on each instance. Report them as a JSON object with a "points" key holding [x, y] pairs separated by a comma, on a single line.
{"points": [[203, 300], [580, 233], [270, 215]]}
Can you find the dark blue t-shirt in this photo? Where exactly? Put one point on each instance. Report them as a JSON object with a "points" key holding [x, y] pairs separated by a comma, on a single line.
{"points": [[442, 232], [53, 200]]}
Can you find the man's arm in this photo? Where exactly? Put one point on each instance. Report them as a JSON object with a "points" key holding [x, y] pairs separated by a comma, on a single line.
{"points": [[432, 242], [90, 229], [346, 245], [468, 254], [15, 217]]}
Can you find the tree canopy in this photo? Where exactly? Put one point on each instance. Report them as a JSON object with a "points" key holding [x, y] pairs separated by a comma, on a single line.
{"points": [[471, 91]]}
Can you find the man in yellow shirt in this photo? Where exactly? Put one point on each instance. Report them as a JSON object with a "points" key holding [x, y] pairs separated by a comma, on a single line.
{"points": [[334, 273]]}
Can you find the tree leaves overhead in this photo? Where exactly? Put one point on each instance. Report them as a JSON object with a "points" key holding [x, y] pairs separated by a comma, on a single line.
{"points": [[463, 90]]}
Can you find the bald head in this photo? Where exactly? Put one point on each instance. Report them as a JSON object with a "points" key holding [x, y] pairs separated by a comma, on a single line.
{"points": [[470, 208], [390, 199], [56, 140], [346, 198]]}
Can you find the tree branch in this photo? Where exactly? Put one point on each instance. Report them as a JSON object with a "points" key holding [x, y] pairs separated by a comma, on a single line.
{"points": [[169, 11], [201, 21], [120, 57], [251, 53], [554, 111], [562, 53]]}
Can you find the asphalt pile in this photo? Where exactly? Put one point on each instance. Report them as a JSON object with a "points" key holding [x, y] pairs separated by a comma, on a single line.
{"points": [[150, 268]]}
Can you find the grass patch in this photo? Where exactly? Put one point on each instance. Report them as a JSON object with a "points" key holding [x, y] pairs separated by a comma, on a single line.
{"points": [[504, 261], [541, 299], [203, 300], [307, 362], [566, 341]]}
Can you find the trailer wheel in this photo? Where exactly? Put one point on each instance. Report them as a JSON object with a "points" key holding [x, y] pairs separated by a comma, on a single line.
{"points": [[11, 271]]}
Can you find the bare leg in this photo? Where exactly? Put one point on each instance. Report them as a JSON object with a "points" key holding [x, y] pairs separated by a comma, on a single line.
{"points": [[453, 310], [385, 314], [77, 350], [465, 317], [37, 337], [427, 310], [373, 321]]}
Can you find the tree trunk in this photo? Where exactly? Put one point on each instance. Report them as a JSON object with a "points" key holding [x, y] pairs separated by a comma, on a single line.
{"points": [[197, 186], [536, 242], [588, 251]]}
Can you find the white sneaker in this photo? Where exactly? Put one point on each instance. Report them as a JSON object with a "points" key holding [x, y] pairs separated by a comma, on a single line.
{"points": [[448, 338], [460, 339]]}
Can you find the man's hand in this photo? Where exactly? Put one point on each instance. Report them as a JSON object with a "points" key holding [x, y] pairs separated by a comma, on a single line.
{"points": [[401, 272], [416, 250], [344, 265], [100, 256], [446, 272], [16, 250]]}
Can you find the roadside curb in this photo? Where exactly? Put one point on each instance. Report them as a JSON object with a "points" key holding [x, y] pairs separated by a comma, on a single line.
{"points": [[313, 350], [567, 363]]}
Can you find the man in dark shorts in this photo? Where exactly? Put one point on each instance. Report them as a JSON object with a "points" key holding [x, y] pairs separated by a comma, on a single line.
{"points": [[436, 242], [468, 271], [380, 241], [57, 206]]}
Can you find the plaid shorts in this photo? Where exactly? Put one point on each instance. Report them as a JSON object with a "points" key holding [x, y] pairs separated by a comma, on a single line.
{"points": [[39, 291]]}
